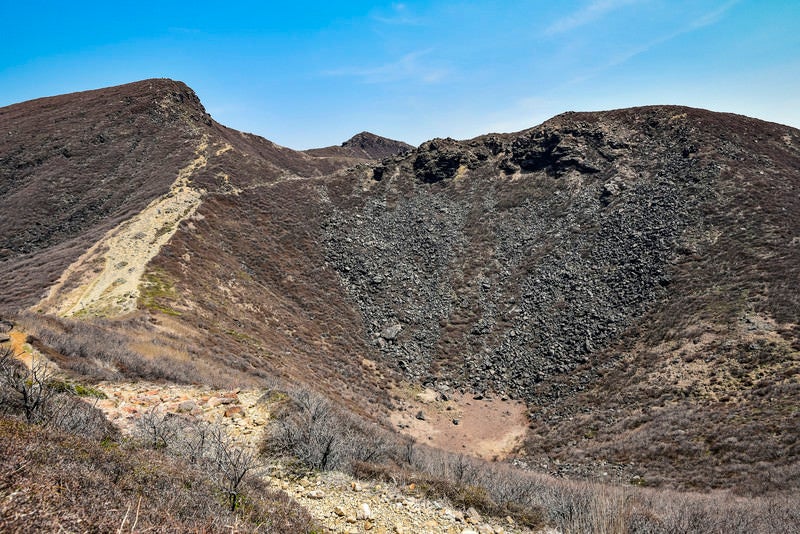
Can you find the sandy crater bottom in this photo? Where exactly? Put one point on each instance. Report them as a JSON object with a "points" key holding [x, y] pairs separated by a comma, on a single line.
{"points": [[490, 427]]}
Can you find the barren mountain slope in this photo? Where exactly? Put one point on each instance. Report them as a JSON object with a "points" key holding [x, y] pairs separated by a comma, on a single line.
{"points": [[213, 231], [73, 167], [631, 275]]}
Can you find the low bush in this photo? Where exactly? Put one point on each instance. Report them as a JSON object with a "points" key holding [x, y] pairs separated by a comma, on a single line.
{"points": [[52, 481], [35, 395], [307, 427]]}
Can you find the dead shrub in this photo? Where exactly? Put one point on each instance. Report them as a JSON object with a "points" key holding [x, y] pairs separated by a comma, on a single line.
{"points": [[309, 428]]}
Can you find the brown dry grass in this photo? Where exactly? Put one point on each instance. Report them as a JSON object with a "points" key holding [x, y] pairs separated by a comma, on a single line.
{"points": [[52, 481]]}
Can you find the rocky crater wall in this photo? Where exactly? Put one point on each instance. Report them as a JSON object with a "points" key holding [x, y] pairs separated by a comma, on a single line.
{"points": [[499, 262]]}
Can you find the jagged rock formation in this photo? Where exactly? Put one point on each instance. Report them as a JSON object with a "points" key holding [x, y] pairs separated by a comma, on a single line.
{"points": [[596, 266]]}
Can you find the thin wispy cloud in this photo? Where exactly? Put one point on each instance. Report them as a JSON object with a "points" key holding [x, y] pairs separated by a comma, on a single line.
{"points": [[400, 15], [410, 67], [707, 19], [591, 12], [703, 21], [712, 17]]}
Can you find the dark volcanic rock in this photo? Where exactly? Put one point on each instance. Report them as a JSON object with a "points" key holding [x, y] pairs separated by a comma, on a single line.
{"points": [[501, 283], [395, 263], [441, 159], [558, 152]]}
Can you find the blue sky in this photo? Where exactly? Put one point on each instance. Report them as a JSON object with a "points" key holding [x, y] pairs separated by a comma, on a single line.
{"points": [[307, 74]]}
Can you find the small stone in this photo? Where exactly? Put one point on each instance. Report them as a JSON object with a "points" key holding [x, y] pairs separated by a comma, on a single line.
{"points": [[316, 494], [364, 511], [338, 511], [368, 525], [186, 406], [420, 415], [217, 401], [473, 514], [390, 333], [355, 486], [234, 411], [456, 421]]}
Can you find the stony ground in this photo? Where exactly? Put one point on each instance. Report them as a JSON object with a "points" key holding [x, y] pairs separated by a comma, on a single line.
{"points": [[337, 501], [343, 504]]}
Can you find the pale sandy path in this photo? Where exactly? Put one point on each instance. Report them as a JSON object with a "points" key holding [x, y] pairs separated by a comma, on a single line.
{"points": [[105, 279]]}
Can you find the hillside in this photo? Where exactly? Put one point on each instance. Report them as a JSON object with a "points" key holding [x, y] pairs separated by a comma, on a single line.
{"points": [[627, 279]]}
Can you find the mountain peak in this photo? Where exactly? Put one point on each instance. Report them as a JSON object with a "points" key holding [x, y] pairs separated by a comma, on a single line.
{"points": [[374, 146], [363, 145]]}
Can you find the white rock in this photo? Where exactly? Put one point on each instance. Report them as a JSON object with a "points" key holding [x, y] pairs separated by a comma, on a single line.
{"points": [[364, 511], [473, 514]]}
